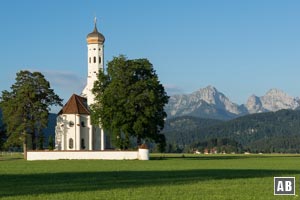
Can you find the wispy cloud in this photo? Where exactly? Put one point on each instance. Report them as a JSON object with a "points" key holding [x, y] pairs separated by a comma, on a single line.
{"points": [[65, 83], [173, 89], [65, 80]]}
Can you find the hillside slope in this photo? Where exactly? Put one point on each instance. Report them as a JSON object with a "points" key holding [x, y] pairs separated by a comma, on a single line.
{"points": [[264, 132]]}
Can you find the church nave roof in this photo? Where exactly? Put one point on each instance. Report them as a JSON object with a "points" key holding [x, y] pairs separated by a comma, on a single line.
{"points": [[75, 105]]}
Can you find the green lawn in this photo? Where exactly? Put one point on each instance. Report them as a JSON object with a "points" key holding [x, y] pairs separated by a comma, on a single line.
{"points": [[173, 177]]}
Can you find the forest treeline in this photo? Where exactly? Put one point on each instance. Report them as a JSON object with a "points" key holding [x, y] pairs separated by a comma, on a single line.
{"points": [[271, 132]]}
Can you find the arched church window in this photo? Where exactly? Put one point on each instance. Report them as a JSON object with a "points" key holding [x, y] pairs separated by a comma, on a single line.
{"points": [[82, 124], [71, 123], [82, 144], [94, 59], [99, 59], [71, 143]]}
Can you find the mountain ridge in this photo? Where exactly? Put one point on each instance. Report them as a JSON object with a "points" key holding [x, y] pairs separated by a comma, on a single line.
{"points": [[208, 102]]}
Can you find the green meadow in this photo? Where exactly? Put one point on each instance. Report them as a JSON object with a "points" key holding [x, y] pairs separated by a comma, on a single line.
{"points": [[173, 176]]}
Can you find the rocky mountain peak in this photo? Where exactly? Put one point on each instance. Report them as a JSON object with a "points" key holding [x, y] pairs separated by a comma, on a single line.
{"points": [[276, 99], [204, 102], [209, 88], [208, 94], [254, 105], [276, 93]]}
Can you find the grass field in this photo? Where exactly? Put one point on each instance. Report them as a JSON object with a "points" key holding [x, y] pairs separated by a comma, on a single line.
{"points": [[172, 177]]}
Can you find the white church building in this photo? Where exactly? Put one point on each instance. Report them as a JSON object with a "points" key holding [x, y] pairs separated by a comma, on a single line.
{"points": [[75, 136], [74, 130]]}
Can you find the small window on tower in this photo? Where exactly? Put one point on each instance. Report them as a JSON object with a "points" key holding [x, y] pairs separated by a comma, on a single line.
{"points": [[71, 124], [90, 60], [95, 59], [99, 59]]}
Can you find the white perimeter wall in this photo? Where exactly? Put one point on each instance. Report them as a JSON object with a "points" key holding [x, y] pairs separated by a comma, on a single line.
{"points": [[88, 155]]}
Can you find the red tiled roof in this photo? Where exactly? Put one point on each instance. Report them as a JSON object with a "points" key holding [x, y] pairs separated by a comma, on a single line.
{"points": [[75, 105]]}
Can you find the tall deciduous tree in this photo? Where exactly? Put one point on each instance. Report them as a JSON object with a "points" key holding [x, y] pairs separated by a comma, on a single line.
{"points": [[129, 101], [2, 132], [26, 107]]}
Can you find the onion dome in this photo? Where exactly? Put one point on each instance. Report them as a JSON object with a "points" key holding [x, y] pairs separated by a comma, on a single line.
{"points": [[95, 37]]}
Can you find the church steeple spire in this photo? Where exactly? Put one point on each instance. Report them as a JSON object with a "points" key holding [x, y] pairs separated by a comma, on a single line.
{"points": [[95, 25], [95, 21], [95, 37]]}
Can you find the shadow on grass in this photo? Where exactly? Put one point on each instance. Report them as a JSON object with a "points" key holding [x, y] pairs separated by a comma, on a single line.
{"points": [[50, 183], [218, 157], [208, 157], [10, 158]]}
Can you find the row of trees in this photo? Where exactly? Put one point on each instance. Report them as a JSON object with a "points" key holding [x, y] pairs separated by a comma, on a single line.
{"points": [[264, 132], [129, 103]]}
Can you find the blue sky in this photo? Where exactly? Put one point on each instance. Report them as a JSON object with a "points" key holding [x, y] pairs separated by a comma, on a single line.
{"points": [[240, 47]]}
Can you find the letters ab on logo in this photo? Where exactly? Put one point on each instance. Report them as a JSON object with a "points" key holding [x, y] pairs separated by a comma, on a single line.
{"points": [[284, 185]]}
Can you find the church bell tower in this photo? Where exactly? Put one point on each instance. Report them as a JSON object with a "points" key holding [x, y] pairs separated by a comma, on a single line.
{"points": [[95, 45]]}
